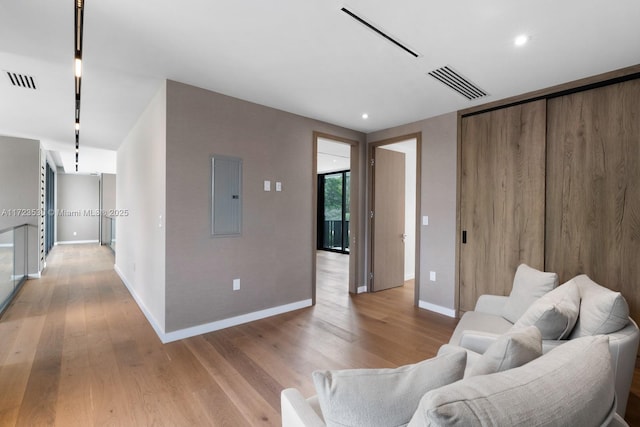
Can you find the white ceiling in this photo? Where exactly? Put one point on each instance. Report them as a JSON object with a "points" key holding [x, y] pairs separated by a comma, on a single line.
{"points": [[333, 156], [306, 57]]}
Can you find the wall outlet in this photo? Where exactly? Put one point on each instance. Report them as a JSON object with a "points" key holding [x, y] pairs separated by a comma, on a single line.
{"points": [[278, 186], [432, 276], [236, 284], [267, 186], [425, 220]]}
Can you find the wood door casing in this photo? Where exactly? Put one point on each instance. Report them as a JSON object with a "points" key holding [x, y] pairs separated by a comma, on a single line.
{"points": [[502, 202], [593, 190], [388, 220]]}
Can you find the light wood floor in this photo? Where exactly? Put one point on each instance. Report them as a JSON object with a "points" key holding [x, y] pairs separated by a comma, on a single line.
{"points": [[75, 350]]}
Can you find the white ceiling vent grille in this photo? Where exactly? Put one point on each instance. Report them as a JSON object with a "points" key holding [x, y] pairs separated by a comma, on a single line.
{"points": [[457, 82], [21, 80]]}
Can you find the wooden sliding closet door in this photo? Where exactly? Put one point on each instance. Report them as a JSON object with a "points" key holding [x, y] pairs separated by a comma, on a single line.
{"points": [[593, 187], [502, 198]]}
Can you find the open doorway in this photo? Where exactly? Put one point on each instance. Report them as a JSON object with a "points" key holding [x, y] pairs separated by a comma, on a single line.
{"points": [[394, 195], [335, 219]]}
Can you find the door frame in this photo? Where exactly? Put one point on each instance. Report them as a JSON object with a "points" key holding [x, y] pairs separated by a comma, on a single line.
{"points": [[354, 208], [371, 187]]}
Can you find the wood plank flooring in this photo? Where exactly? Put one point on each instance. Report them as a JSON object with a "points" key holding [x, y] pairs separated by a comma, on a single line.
{"points": [[75, 350]]}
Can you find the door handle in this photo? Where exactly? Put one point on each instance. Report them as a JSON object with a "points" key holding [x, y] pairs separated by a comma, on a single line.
{"points": [[404, 237]]}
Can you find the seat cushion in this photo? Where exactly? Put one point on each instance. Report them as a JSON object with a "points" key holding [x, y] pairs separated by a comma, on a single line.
{"points": [[555, 313], [529, 284], [383, 397], [602, 311], [509, 351], [477, 321], [572, 385]]}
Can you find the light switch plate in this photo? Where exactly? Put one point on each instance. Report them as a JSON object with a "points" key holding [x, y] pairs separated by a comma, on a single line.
{"points": [[432, 276], [236, 284], [278, 186], [267, 186], [425, 220]]}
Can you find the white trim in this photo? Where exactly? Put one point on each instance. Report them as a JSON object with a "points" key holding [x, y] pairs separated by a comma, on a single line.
{"points": [[362, 289], [6, 245], [152, 320], [76, 242], [167, 337], [34, 275], [437, 308], [409, 276], [233, 321]]}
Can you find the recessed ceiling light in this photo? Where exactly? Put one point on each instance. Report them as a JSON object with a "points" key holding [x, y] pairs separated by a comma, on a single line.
{"points": [[521, 40], [365, 116]]}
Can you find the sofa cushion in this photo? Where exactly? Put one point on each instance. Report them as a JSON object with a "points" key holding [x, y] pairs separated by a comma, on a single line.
{"points": [[555, 313], [383, 397], [511, 350], [571, 385], [529, 284], [602, 311], [478, 321]]}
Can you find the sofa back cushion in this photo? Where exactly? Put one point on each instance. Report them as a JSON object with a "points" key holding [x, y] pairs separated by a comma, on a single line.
{"points": [[383, 397], [602, 311], [511, 350], [555, 313], [571, 385], [529, 284]]}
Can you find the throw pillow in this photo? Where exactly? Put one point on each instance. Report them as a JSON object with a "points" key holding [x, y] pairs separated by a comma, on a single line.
{"points": [[383, 397], [602, 311], [529, 284], [555, 313], [572, 385], [509, 351]]}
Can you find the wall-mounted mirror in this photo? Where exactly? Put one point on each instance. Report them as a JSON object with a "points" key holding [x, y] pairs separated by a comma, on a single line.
{"points": [[226, 196]]}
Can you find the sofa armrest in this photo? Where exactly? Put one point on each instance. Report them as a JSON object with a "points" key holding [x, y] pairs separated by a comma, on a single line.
{"points": [[491, 304], [477, 341], [296, 411]]}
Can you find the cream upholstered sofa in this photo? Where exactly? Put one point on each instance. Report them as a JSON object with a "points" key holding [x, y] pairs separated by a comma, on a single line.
{"points": [[569, 386], [575, 309], [496, 371]]}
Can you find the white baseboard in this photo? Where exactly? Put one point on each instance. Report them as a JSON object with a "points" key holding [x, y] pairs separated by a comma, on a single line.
{"points": [[76, 242], [152, 320], [409, 277], [362, 289], [437, 308], [6, 245], [180, 334], [233, 321]]}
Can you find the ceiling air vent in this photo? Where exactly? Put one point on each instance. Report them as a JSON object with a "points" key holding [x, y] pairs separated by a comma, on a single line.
{"points": [[21, 80], [458, 83]]}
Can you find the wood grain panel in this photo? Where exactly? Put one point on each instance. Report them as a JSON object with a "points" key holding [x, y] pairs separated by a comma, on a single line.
{"points": [[593, 191], [501, 198]]}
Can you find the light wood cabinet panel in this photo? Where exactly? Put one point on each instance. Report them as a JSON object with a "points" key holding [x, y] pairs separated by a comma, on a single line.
{"points": [[502, 203], [593, 188]]}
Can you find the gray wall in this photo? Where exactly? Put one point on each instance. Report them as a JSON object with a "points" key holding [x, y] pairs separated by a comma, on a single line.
{"points": [[140, 191], [20, 188], [273, 257], [438, 201], [19, 179], [107, 202], [78, 208]]}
